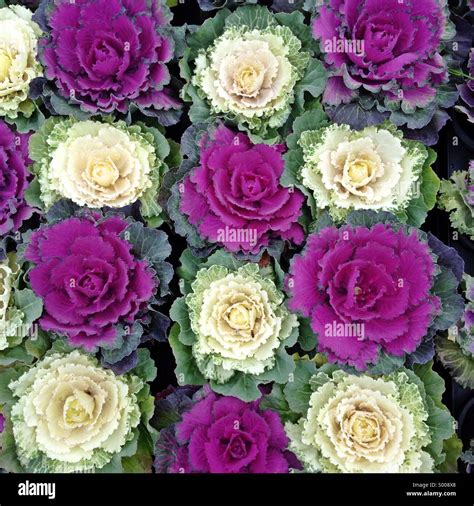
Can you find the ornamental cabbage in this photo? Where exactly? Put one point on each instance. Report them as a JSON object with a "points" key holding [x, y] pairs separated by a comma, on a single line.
{"points": [[233, 327], [375, 168], [69, 414], [254, 72], [18, 60], [363, 424], [457, 198], [373, 287], [99, 163]]}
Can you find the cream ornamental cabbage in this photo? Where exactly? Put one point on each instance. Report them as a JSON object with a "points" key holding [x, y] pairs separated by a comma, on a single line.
{"points": [[18, 60], [100, 164], [251, 73], [71, 414], [14, 323], [7, 277], [239, 320], [374, 168], [361, 424]]}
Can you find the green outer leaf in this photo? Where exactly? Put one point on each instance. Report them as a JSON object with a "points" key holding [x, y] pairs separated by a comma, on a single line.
{"points": [[179, 313], [33, 194], [254, 17], [452, 448], [6, 376], [39, 345], [309, 120], [459, 365], [8, 454], [142, 460], [11, 356], [200, 111], [145, 368], [38, 146], [296, 23], [307, 338], [369, 218], [190, 265], [243, 386], [187, 372], [452, 303], [161, 144], [298, 391], [221, 257], [313, 82], [174, 157], [276, 401], [440, 421], [206, 34], [63, 108], [153, 246], [123, 345], [30, 305], [452, 198], [430, 183], [30, 123], [386, 364], [284, 366]]}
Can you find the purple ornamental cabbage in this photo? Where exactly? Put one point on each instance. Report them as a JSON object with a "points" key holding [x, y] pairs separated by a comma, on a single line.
{"points": [[236, 187], [88, 278], [227, 435], [107, 55], [14, 177], [466, 91], [383, 56], [365, 290]]}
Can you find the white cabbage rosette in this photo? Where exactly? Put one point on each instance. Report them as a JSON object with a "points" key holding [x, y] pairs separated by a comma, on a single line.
{"points": [[372, 169], [232, 329], [239, 320], [18, 60], [9, 318], [249, 74], [19, 308], [252, 68], [71, 414], [364, 424], [99, 163]]}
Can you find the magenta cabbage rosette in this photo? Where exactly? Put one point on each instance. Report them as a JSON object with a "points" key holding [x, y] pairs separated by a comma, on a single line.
{"points": [[106, 56], [375, 290], [466, 91], [232, 325], [339, 422], [230, 194], [455, 347], [99, 278], [253, 68], [14, 179], [385, 61], [218, 434]]}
